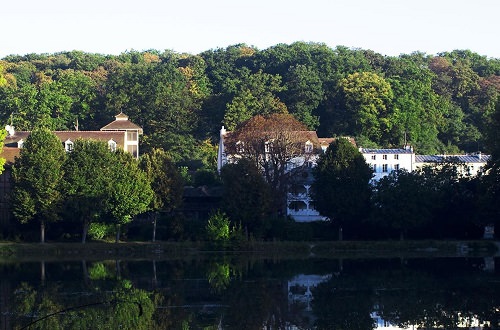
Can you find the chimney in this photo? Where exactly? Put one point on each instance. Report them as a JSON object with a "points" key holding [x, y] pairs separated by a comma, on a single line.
{"points": [[10, 130]]}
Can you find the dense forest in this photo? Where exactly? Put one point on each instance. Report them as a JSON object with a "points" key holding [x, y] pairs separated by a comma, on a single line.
{"points": [[438, 103]]}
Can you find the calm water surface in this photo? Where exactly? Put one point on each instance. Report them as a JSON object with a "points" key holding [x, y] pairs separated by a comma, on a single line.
{"points": [[231, 292]]}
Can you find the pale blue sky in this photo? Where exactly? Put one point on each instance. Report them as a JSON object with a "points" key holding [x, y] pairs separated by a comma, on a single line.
{"points": [[389, 27]]}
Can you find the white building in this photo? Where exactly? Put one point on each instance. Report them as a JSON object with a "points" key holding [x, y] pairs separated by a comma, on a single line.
{"points": [[467, 164], [384, 161], [299, 206]]}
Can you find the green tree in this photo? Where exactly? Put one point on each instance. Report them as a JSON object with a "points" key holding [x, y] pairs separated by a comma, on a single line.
{"points": [[87, 179], [402, 202], [166, 183], [3, 134], [367, 99], [255, 95], [247, 196], [129, 193], [304, 94], [341, 188], [38, 175]]}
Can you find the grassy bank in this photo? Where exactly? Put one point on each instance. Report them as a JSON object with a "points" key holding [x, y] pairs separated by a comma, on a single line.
{"points": [[174, 250]]}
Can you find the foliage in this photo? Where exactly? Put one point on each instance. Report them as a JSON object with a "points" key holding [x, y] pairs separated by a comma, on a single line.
{"points": [[218, 227], [87, 181], [444, 103], [341, 188], [38, 176], [98, 230], [367, 98], [130, 192], [271, 143], [403, 201], [247, 196], [165, 179], [3, 134]]}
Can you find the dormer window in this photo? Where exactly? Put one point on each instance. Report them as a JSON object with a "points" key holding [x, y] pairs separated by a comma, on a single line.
{"points": [[267, 146], [240, 147], [69, 145], [112, 145], [20, 144], [309, 147]]}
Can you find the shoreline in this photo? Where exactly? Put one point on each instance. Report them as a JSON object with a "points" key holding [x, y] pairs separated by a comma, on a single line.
{"points": [[25, 252]]}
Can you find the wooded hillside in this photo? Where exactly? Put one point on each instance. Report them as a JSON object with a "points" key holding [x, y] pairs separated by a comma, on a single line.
{"points": [[439, 104]]}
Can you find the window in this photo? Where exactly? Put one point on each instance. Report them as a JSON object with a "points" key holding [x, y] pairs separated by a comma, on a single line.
{"points": [[112, 145], [384, 168], [374, 157], [240, 147], [396, 156], [131, 136], [384, 157], [68, 145], [268, 146], [396, 167], [20, 143], [133, 150], [309, 147], [374, 166]]}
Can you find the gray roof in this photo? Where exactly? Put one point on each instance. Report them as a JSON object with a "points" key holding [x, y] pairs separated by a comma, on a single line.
{"points": [[386, 151], [475, 158]]}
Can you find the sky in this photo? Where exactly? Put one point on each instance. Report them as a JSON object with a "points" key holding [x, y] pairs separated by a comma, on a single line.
{"points": [[388, 27]]}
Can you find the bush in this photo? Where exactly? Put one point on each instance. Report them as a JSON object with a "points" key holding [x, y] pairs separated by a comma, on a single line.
{"points": [[218, 227]]}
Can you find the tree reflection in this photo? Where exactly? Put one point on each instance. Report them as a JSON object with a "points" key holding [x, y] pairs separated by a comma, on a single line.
{"points": [[116, 305], [237, 293]]}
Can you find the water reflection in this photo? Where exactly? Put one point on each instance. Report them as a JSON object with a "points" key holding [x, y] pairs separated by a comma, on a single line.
{"points": [[241, 293]]}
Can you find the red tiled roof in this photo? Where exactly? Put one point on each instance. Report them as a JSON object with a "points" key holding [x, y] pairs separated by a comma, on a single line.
{"points": [[10, 154], [117, 136]]}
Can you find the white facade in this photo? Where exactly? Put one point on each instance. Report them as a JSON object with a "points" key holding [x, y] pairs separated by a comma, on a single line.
{"points": [[384, 161], [467, 164]]}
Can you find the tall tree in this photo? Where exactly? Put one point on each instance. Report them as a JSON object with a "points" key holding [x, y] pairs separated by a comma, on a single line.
{"points": [[87, 179], [402, 202], [38, 175], [341, 188], [247, 196], [271, 143], [367, 98], [166, 183], [130, 191], [3, 133]]}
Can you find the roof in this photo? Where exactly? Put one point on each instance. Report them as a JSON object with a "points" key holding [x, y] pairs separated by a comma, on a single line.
{"points": [[118, 137], [10, 154], [327, 141], [386, 151], [10, 149], [121, 123], [475, 158]]}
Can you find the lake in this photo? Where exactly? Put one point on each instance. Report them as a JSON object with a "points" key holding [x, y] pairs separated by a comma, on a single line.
{"points": [[238, 292]]}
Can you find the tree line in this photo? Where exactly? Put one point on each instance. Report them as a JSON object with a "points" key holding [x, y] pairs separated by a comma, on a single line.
{"points": [[102, 191], [439, 103]]}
